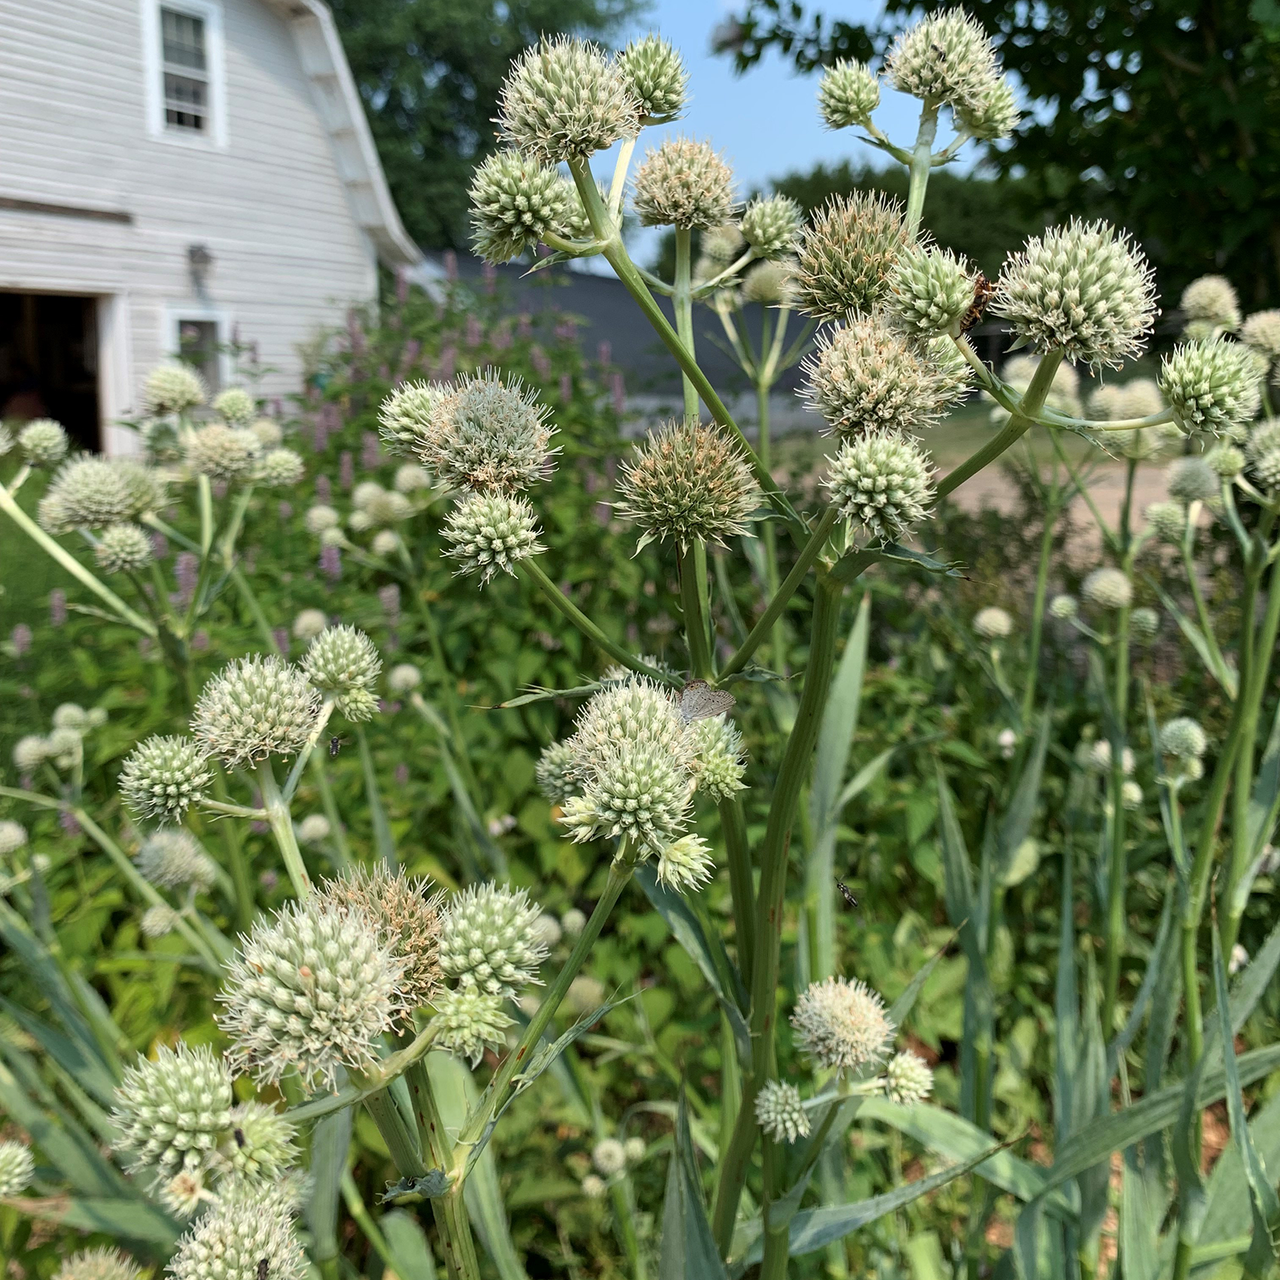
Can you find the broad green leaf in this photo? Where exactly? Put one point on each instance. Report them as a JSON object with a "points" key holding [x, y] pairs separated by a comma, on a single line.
{"points": [[124, 1219], [688, 1248], [1140, 1211], [329, 1142], [410, 1253], [74, 1056], [1229, 1213]]}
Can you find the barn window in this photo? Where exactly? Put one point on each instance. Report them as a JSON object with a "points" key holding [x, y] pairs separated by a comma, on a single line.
{"points": [[186, 71]]}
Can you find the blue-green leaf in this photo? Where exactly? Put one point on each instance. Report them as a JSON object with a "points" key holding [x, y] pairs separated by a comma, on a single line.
{"points": [[688, 1250]]}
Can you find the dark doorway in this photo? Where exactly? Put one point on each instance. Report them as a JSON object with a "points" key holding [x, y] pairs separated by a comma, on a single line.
{"points": [[49, 361]]}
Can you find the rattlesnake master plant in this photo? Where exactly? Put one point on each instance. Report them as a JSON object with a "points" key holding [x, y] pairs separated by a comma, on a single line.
{"points": [[354, 989]]}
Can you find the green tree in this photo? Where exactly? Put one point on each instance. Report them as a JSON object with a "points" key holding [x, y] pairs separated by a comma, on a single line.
{"points": [[430, 71], [1163, 116]]}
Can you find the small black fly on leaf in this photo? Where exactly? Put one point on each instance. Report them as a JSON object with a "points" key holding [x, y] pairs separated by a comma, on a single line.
{"points": [[845, 892]]}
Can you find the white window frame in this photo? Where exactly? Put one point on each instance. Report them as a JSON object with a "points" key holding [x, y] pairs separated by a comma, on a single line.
{"points": [[176, 313], [210, 13]]}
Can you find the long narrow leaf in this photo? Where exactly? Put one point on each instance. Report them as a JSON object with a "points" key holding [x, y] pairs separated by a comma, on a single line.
{"points": [[1016, 824], [688, 1248]]}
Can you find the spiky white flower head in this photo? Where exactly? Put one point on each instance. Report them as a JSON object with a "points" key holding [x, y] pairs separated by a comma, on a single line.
{"points": [[636, 710], [1168, 521], [1130, 795], [98, 1264], [1226, 459], [158, 921], [376, 506], [690, 483], [17, 1168], [992, 623], [907, 1079], [716, 757], [1184, 738], [1212, 299], [594, 1187], [1263, 453], [1084, 289], [313, 829], [1239, 958], [488, 942], [930, 289], [994, 116], [254, 708], [547, 930], [222, 452], [636, 790], [1099, 757], [66, 747], [91, 492], [311, 990], [771, 225], [1107, 588], [1144, 623], [656, 76], [842, 1024], [516, 201], [30, 752], [170, 1112], [411, 478], [345, 664], [869, 376], [846, 252], [171, 859], [847, 95], [636, 1149], [1214, 385], [13, 835], [487, 433], [723, 245], [403, 678], [321, 518], [768, 283], [780, 1112], [609, 1157], [279, 468], [1191, 479], [269, 432], [1261, 331], [406, 415], [553, 772], [565, 99], [173, 388], [684, 183], [882, 483], [407, 913], [43, 442], [944, 60], [184, 1193], [309, 624], [163, 777], [469, 1022], [247, 1235], [123, 548], [1063, 606], [259, 1147], [573, 922], [235, 406], [491, 532], [686, 864]]}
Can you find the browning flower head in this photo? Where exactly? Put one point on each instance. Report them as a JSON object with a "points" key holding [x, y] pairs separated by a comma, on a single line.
{"points": [[945, 60], [848, 94], [488, 940], [468, 1022], [171, 859], [223, 453], [247, 1235], [842, 1024], [1261, 331], [43, 442], [344, 663], [867, 376], [690, 483], [565, 99], [98, 1264], [771, 225], [882, 483], [487, 433], [90, 492], [780, 1112], [656, 76], [846, 253], [408, 915], [123, 548], [491, 532], [1085, 289], [1212, 299], [930, 290], [254, 708], [515, 202], [1263, 453], [171, 1112], [684, 184], [173, 388], [1215, 385], [163, 777], [235, 406], [311, 990]]}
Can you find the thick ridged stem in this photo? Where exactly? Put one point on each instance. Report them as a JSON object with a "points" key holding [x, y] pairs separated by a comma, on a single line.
{"points": [[920, 167], [733, 823], [682, 300], [693, 600], [280, 821]]}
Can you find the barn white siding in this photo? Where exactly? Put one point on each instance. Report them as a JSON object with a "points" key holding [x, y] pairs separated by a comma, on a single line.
{"points": [[292, 246]]}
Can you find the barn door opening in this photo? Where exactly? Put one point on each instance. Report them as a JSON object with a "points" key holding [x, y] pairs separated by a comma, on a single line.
{"points": [[49, 362]]}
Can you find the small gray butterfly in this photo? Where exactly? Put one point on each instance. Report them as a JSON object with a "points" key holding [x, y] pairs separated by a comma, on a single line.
{"points": [[699, 701]]}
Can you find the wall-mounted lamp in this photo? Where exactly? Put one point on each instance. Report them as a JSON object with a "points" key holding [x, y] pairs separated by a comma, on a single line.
{"points": [[199, 263]]}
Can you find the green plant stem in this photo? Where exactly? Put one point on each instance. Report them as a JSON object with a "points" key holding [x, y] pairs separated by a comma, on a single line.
{"points": [[772, 581], [535, 573], [364, 1220], [682, 300], [1051, 513], [1197, 599], [776, 1237], [73, 566], [769, 905], [733, 823], [693, 581], [764, 624], [281, 822], [920, 167], [1117, 865]]}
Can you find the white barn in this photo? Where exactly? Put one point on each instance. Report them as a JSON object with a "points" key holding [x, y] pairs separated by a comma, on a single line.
{"points": [[176, 171]]}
